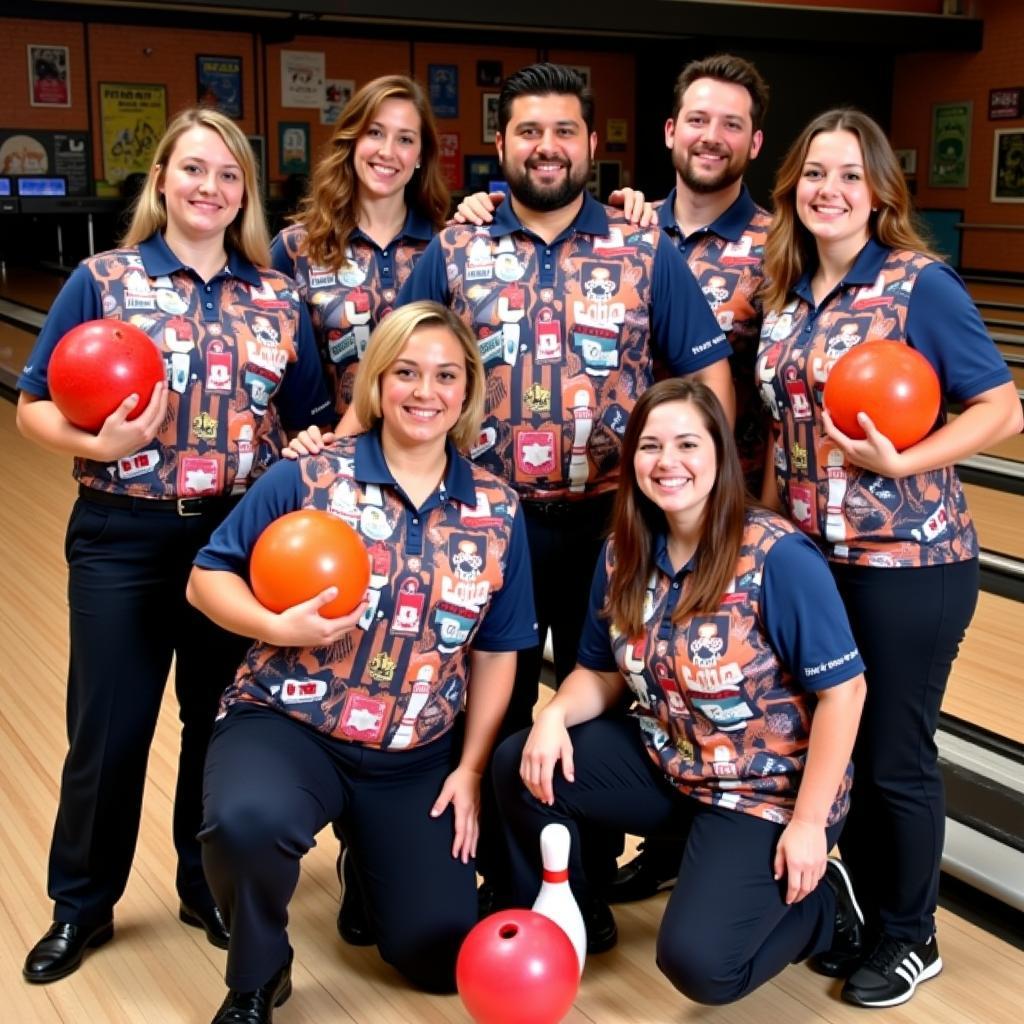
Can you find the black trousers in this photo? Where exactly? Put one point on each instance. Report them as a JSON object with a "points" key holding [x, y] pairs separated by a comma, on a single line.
{"points": [[727, 928], [128, 618], [908, 624], [272, 783], [565, 540]]}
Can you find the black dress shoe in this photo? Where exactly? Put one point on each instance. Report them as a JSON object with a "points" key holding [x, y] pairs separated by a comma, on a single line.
{"points": [[59, 952], [602, 931], [257, 1007], [208, 918], [641, 878], [353, 922]]}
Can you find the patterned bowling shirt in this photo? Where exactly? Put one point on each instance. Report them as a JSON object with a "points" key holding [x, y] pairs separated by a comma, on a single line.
{"points": [[446, 577], [240, 357]]}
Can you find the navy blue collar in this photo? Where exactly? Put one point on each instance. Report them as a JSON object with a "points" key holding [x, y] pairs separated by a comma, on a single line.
{"points": [[730, 225], [664, 563], [370, 467], [592, 219], [416, 226], [159, 261], [865, 270]]}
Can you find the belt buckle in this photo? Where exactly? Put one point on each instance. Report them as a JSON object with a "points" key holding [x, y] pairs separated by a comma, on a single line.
{"points": [[183, 506]]}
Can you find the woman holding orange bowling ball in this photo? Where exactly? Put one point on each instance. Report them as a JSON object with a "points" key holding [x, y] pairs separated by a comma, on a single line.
{"points": [[845, 266], [350, 719], [240, 359]]}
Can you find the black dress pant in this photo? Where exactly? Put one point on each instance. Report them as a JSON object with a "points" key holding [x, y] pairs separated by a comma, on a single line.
{"points": [[727, 928], [272, 783], [908, 624], [128, 618]]}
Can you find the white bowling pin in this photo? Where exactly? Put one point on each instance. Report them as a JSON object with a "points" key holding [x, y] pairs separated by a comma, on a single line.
{"points": [[555, 899]]}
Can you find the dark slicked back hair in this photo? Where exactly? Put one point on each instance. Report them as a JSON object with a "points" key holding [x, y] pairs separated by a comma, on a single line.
{"points": [[544, 80], [724, 67]]}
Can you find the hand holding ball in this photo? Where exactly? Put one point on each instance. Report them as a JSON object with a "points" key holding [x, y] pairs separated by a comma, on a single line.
{"points": [[891, 382], [302, 554], [97, 365]]}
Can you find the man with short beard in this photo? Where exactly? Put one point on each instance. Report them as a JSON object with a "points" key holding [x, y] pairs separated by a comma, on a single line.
{"points": [[713, 134], [571, 305]]}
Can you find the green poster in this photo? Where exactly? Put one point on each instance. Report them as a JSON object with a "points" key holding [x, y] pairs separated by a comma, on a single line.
{"points": [[951, 145]]}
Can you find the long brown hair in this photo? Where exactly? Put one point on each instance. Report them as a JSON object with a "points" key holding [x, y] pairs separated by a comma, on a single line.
{"points": [[247, 233], [637, 520], [330, 210], [789, 248]]}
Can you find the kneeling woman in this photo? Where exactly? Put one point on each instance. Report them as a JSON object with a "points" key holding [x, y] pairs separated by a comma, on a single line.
{"points": [[351, 718], [726, 625]]}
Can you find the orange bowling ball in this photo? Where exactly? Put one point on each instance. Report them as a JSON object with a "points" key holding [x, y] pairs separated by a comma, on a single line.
{"points": [[302, 554], [891, 382], [517, 966], [97, 365]]}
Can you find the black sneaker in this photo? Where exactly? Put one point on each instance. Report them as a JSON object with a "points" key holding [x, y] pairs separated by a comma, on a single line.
{"points": [[602, 931], [353, 922], [640, 879], [843, 957], [891, 972]]}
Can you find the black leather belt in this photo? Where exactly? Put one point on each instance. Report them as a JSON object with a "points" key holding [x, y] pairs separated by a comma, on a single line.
{"points": [[184, 507]]}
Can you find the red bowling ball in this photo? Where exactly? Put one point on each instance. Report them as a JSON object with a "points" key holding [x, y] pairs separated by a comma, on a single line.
{"points": [[891, 382], [97, 365], [517, 966], [302, 554]]}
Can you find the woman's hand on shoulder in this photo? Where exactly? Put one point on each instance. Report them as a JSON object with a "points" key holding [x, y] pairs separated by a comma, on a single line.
{"points": [[478, 208], [310, 441], [801, 855], [303, 626], [634, 206], [875, 453], [462, 790], [547, 744], [120, 436]]}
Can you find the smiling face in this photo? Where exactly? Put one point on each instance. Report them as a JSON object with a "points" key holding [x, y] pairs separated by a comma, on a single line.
{"points": [[833, 199], [422, 392], [712, 138], [386, 154], [675, 462], [202, 185], [545, 150]]}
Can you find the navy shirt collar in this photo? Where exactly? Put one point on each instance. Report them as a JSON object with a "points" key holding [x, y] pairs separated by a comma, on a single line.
{"points": [[592, 219], [159, 261], [664, 562], [865, 270], [416, 226], [730, 225], [370, 467]]}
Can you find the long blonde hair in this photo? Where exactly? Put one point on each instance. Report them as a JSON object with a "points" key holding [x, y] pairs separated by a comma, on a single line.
{"points": [[247, 233], [330, 210], [387, 342], [789, 248]]}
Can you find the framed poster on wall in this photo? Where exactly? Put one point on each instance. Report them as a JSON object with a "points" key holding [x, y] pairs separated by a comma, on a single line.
{"points": [[49, 77], [219, 84], [132, 119], [951, 145], [1008, 166], [293, 147]]}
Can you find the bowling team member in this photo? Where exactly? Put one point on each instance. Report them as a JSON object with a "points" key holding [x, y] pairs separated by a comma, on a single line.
{"points": [[846, 266], [376, 199], [570, 304], [241, 359], [351, 719], [725, 624], [714, 133]]}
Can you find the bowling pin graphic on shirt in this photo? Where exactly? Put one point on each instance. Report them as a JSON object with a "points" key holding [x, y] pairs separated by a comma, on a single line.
{"points": [[555, 899], [420, 694]]}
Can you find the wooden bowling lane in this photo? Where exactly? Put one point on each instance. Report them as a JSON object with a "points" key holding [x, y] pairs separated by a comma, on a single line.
{"points": [[15, 345], [31, 286], [999, 518]]}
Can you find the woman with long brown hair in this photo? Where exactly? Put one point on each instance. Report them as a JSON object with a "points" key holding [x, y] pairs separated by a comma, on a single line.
{"points": [[375, 200], [723, 621], [845, 266]]}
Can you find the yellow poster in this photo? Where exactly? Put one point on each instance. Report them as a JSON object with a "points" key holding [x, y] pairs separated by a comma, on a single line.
{"points": [[133, 119]]}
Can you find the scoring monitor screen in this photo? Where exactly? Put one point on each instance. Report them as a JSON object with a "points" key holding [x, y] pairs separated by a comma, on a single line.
{"points": [[42, 186]]}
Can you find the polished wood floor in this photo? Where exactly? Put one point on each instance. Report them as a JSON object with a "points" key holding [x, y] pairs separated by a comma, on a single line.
{"points": [[157, 971]]}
